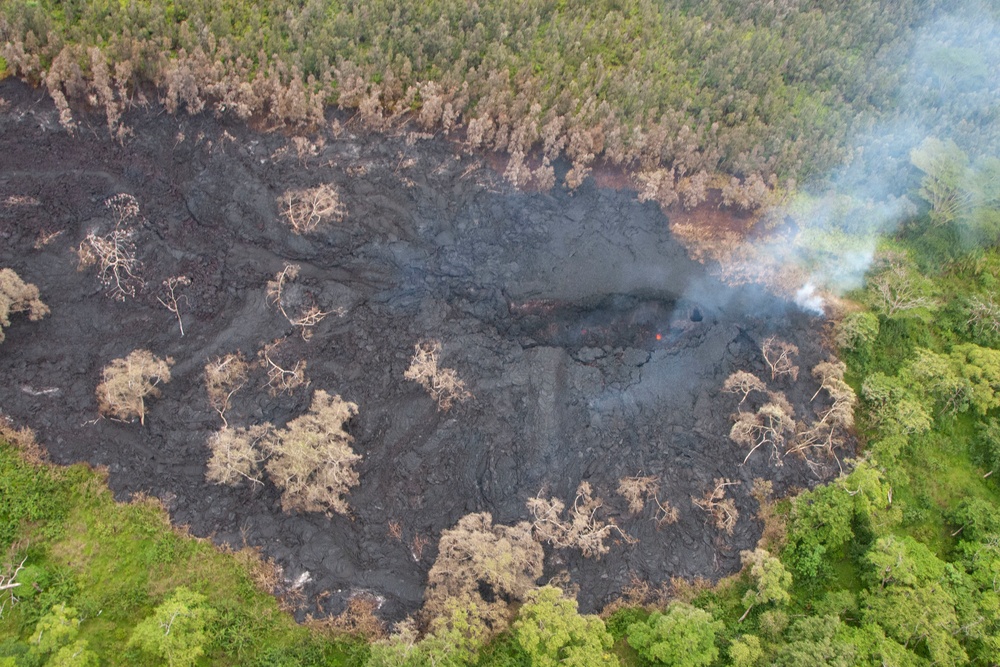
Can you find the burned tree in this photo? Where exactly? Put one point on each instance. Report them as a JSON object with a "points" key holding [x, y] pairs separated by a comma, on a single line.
{"points": [[639, 490], [722, 510], [126, 383], [306, 209], [779, 356], [483, 567], [834, 422], [236, 455], [443, 384], [17, 296], [581, 530], [169, 298], [308, 316], [281, 377], [742, 382], [311, 459], [224, 376], [114, 253], [770, 425]]}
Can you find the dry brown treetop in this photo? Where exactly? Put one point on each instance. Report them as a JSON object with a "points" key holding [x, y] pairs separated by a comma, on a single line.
{"points": [[281, 376], [477, 555], [443, 384], [581, 530], [126, 383], [311, 459], [722, 510], [114, 253], [639, 490], [308, 315], [771, 425], [224, 376], [236, 455], [17, 296], [305, 209], [780, 356], [742, 382]]}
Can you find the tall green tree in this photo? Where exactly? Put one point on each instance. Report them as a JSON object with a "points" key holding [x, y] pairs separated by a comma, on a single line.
{"points": [[554, 634], [684, 636]]}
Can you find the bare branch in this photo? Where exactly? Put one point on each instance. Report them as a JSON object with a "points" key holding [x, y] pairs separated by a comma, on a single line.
{"points": [[443, 384], [170, 297]]}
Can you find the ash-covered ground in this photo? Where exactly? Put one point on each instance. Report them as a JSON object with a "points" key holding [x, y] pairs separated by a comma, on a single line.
{"points": [[594, 348]]}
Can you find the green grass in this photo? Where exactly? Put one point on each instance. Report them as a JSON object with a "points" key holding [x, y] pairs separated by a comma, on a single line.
{"points": [[115, 562]]}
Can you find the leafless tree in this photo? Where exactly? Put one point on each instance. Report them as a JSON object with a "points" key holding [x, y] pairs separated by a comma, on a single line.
{"points": [[308, 317], [114, 256], [639, 490], [722, 510], [443, 384], [779, 356], [305, 209], [224, 376], [581, 530], [895, 290], [742, 382], [984, 315], [169, 297], [280, 378], [770, 425]]}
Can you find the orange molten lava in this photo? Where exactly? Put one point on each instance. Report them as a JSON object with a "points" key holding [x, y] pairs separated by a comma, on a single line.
{"points": [[659, 336]]}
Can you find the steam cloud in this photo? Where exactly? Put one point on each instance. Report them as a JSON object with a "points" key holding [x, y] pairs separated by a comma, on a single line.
{"points": [[950, 90]]}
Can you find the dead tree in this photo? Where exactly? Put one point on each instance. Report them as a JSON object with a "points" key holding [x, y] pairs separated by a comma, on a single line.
{"points": [[114, 256], [582, 530], [17, 296], [779, 356], [311, 459], [833, 424], [224, 376], [127, 382], [114, 252], [742, 382], [722, 510], [8, 579], [279, 378], [237, 455], [308, 317], [770, 425], [305, 209], [169, 297], [443, 384], [896, 290], [639, 490]]}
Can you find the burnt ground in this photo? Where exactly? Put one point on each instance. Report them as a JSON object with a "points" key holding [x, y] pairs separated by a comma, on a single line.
{"points": [[594, 347]]}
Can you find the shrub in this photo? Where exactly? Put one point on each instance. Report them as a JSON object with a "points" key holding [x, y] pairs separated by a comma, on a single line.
{"points": [[683, 636], [127, 382]]}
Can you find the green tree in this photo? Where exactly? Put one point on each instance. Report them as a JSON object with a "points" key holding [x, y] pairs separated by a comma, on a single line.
{"points": [[771, 577], [56, 629], [74, 655], [684, 636], [815, 641], [176, 630], [746, 651], [554, 634], [946, 168]]}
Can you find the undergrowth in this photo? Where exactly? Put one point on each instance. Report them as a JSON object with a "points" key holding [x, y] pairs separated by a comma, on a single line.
{"points": [[115, 563]]}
